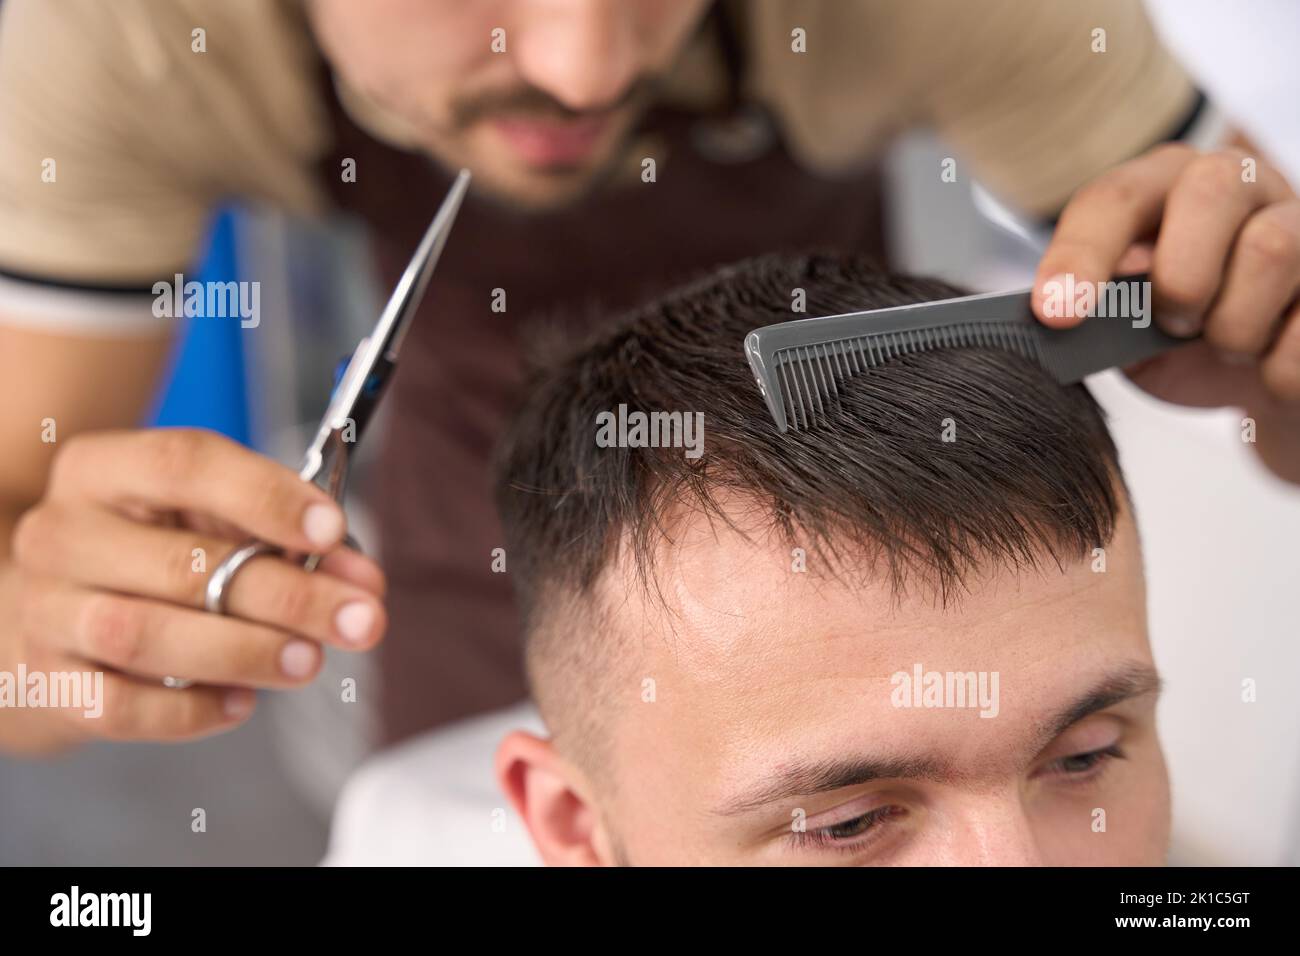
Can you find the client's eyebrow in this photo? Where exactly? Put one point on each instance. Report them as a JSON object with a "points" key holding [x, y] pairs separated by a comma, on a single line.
{"points": [[804, 780], [1124, 683], [801, 780]]}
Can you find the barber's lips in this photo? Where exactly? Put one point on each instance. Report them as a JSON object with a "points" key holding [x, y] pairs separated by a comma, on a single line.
{"points": [[552, 142]]}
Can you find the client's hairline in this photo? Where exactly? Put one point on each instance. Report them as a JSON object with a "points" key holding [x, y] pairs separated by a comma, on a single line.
{"points": [[644, 563]]}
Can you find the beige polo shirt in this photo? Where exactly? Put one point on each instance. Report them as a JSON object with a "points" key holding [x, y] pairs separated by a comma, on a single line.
{"points": [[116, 138]]}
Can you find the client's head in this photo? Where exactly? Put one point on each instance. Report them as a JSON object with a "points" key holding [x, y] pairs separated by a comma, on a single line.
{"points": [[914, 634]]}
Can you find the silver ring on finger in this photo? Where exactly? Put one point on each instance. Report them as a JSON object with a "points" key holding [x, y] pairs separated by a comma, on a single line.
{"points": [[214, 595]]}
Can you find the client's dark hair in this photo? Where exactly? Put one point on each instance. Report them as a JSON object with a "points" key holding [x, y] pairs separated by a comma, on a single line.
{"points": [[1032, 472]]}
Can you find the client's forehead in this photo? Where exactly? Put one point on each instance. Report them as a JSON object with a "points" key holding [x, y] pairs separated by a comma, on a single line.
{"points": [[730, 591], [748, 643]]}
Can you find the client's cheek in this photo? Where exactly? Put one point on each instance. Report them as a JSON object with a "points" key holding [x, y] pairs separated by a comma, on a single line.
{"points": [[1139, 807], [1123, 821], [1156, 844]]}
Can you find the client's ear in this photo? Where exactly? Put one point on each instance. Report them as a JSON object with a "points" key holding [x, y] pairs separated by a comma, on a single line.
{"points": [[547, 792]]}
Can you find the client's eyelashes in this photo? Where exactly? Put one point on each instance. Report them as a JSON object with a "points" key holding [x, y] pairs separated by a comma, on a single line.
{"points": [[1085, 767], [851, 834]]}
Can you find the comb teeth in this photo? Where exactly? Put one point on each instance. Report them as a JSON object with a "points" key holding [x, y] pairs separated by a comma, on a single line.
{"points": [[810, 375]]}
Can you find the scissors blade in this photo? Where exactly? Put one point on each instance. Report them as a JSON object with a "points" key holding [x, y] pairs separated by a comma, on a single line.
{"points": [[377, 352], [397, 315]]}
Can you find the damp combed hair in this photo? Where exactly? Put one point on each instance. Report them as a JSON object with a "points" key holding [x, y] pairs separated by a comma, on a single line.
{"points": [[1029, 470], [1032, 474]]}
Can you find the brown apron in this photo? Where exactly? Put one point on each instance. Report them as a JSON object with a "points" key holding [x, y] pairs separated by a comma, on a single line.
{"points": [[453, 644]]}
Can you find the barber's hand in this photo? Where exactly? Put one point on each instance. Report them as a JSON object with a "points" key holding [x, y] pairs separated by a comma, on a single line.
{"points": [[1223, 249], [106, 577]]}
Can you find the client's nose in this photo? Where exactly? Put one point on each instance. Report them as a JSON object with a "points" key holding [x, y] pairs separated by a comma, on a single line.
{"points": [[991, 829]]}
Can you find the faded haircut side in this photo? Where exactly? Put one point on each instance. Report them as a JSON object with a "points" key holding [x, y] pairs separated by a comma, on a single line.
{"points": [[1031, 480]]}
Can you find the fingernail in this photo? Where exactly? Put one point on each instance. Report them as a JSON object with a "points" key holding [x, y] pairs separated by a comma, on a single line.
{"points": [[298, 659], [239, 703], [323, 524], [354, 621]]}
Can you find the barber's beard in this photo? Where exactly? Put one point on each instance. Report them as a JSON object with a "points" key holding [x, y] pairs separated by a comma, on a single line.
{"points": [[529, 101], [576, 181], [574, 184]]}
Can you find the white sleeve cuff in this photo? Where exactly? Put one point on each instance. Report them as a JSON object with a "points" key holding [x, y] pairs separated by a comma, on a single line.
{"points": [[78, 311]]}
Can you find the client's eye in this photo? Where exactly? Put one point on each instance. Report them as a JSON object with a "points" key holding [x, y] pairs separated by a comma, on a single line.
{"points": [[850, 834], [1086, 764], [854, 827]]}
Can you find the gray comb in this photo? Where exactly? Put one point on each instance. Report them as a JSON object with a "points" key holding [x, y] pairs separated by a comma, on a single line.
{"points": [[800, 365]]}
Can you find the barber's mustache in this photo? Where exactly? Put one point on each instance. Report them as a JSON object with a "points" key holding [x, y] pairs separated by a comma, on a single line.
{"points": [[538, 104]]}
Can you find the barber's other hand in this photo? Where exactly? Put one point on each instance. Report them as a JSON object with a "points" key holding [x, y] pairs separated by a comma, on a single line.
{"points": [[1221, 239], [109, 571]]}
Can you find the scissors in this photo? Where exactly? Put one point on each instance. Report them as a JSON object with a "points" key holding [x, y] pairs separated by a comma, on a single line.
{"points": [[353, 401]]}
